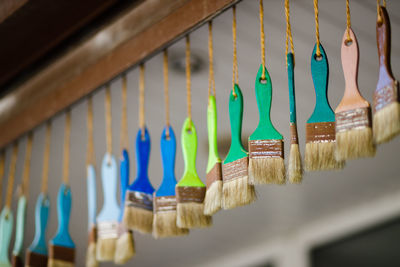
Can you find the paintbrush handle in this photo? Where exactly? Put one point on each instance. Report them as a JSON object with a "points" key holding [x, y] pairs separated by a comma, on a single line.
{"points": [[63, 237], [20, 226], [320, 75], [124, 170], [111, 210], [213, 156], [292, 97], [168, 154], [41, 218], [91, 192], [6, 225]]}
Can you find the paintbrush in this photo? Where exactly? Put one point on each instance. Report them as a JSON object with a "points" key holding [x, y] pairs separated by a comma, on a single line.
{"points": [[320, 127], [62, 248], [213, 198], [236, 188], [91, 260], [266, 154], [386, 120], [353, 115], [138, 213], [164, 223], [190, 190], [16, 258], [36, 254], [125, 248], [6, 227], [107, 220]]}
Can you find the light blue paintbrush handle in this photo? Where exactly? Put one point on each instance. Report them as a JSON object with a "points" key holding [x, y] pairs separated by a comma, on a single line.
{"points": [[91, 191], [110, 210], [41, 218], [20, 226], [6, 225], [63, 237]]}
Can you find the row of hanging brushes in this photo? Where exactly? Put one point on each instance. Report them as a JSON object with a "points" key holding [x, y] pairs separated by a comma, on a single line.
{"points": [[331, 138]]}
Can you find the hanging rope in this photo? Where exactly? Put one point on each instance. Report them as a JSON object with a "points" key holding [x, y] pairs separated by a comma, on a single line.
{"points": [[11, 175], [262, 37], [108, 122], [188, 82], [289, 37], [45, 174], [141, 100], [27, 166], [378, 9], [348, 21], [211, 80], [166, 91], [235, 72], [316, 12], [2, 159], [90, 157], [67, 137], [124, 142]]}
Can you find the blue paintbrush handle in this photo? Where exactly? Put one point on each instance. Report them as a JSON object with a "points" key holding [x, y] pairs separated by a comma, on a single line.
{"points": [[64, 200], [111, 210], [91, 191], [6, 225], [124, 168], [142, 182], [168, 153], [41, 218]]}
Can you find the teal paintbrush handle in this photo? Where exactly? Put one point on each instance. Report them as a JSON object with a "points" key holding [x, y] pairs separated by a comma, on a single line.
{"points": [[320, 75], [41, 218], [236, 150], [64, 200], [20, 225], [265, 129], [292, 96], [6, 225]]}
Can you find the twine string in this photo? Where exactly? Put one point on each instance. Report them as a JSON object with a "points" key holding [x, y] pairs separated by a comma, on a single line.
{"points": [[90, 158], [108, 122], [67, 138], [262, 39], [316, 13], [2, 159], [211, 80], [46, 156], [124, 142], [289, 37], [142, 123], [188, 81], [11, 175], [166, 90], [27, 165], [235, 72], [348, 21]]}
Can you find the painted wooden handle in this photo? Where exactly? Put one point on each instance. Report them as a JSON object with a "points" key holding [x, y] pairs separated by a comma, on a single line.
{"points": [[124, 169], [110, 210], [6, 225], [64, 200], [168, 154], [320, 75], [213, 156], [350, 57], [263, 88], [20, 226], [236, 150], [91, 192], [41, 218], [143, 146], [383, 38], [292, 96]]}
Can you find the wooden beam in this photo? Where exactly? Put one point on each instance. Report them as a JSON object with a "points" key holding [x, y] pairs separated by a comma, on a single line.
{"points": [[8, 7], [135, 36]]}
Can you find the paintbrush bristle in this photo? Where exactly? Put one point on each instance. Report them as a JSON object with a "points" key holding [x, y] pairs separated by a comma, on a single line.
{"points": [[59, 263], [213, 198], [33, 259], [295, 171], [266, 164], [16, 261], [321, 156], [125, 248], [138, 219], [386, 124], [105, 249], [60, 256], [91, 260], [165, 225], [355, 143], [190, 215]]}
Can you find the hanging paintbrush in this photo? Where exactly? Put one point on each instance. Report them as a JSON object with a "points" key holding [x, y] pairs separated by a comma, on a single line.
{"points": [[107, 220], [91, 260], [21, 210], [164, 223], [125, 249], [236, 188], [386, 122], [213, 199], [353, 115], [62, 248], [138, 213], [6, 216], [36, 254], [190, 190], [266, 155], [320, 127], [295, 171]]}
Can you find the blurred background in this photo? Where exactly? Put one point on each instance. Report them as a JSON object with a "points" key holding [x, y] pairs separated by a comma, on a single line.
{"points": [[340, 218]]}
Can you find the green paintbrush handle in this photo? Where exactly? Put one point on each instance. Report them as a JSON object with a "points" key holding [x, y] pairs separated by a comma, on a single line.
{"points": [[236, 150], [265, 129], [213, 157], [292, 97], [320, 75], [189, 148], [20, 226]]}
